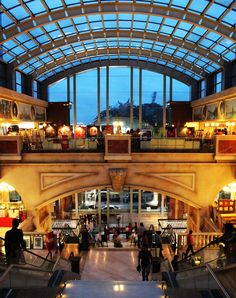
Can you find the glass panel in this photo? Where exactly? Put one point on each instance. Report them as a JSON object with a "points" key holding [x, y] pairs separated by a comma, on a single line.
{"points": [[19, 13], [57, 92], [215, 11], [152, 95], [181, 91], [36, 8], [86, 101]]}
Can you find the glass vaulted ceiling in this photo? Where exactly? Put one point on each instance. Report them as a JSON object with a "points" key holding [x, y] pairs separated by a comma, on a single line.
{"points": [[45, 37]]}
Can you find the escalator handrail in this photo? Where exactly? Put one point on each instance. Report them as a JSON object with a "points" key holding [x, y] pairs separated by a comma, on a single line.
{"points": [[215, 241], [43, 258], [217, 281]]}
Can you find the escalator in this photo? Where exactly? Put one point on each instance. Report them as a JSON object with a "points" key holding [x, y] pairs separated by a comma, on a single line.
{"points": [[196, 278]]}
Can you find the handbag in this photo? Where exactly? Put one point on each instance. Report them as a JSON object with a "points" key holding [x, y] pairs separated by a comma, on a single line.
{"points": [[138, 268]]}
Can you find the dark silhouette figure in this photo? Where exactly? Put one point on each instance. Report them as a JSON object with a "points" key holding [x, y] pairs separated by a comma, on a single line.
{"points": [[14, 243], [145, 260], [189, 243], [229, 240], [174, 263]]}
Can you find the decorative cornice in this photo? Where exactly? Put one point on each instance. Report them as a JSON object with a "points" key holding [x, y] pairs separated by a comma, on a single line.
{"points": [[186, 180], [48, 180]]}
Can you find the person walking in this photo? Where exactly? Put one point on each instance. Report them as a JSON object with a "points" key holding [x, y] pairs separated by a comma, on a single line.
{"points": [[145, 261], [140, 232], [189, 243], [14, 243]]}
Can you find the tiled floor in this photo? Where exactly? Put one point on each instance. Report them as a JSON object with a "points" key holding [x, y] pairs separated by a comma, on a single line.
{"points": [[107, 264]]}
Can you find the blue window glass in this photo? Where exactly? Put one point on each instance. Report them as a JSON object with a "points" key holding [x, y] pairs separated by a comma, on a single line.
{"points": [[19, 13], [170, 22], [193, 37], [155, 19], [125, 24], [230, 56], [22, 38], [79, 20], [125, 17], [109, 17], [226, 42], [65, 23], [230, 18], [215, 11], [18, 50], [72, 2], [36, 7], [68, 31], [206, 43], [179, 54], [55, 34], [213, 36], [94, 18], [83, 28], [110, 24], [198, 5], [50, 27], [169, 51], [139, 25], [180, 4], [30, 45], [189, 58], [96, 25], [42, 39], [36, 32], [153, 27], [199, 31], [219, 49], [55, 4], [5, 20], [180, 33], [46, 59], [7, 57], [9, 4], [166, 30], [9, 44]]}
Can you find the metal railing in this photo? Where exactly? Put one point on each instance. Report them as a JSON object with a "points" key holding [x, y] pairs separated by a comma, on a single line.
{"points": [[138, 144]]}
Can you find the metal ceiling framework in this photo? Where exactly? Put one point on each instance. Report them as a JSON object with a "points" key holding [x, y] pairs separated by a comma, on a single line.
{"points": [[43, 40]]}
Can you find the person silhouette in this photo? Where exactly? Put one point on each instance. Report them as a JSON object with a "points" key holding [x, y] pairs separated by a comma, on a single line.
{"points": [[14, 243]]}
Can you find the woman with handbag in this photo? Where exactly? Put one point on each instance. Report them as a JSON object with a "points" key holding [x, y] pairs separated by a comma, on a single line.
{"points": [[145, 261]]}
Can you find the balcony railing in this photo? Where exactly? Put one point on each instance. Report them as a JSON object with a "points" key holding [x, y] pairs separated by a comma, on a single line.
{"points": [[137, 145]]}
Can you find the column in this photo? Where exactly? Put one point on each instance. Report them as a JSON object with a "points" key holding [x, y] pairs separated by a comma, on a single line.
{"points": [[139, 205], [131, 98], [74, 100], [176, 209], [162, 205], [131, 205], [164, 106], [107, 95], [108, 207], [68, 98], [76, 205], [140, 100], [98, 96], [198, 220], [99, 211]]}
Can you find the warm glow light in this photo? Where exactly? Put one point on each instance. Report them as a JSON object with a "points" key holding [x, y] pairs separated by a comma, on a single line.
{"points": [[119, 288], [207, 124], [26, 125], [6, 187]]}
